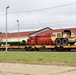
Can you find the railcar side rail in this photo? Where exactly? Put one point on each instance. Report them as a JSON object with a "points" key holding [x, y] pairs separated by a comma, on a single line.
{"points": [[34, 47]]}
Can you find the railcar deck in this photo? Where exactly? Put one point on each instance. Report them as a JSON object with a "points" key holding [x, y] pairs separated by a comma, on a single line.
{"points": [[32, 47]]}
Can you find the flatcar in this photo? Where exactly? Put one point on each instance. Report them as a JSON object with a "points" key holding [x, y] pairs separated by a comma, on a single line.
{"points": [[60, 41]]}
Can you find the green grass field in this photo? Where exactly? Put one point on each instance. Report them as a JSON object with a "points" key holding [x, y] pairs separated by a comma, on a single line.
{"points": [[52, 58]]}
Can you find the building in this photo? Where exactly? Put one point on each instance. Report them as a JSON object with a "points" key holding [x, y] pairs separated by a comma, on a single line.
{"points": [[14, 36]]}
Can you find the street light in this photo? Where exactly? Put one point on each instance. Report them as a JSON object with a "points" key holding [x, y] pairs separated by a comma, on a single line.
{"points": [[18, 30], [6, 26]]}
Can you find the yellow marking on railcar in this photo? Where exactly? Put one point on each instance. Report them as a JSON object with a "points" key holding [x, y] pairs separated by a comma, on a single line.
{"points": [[39, 46], [2, 47], [49, 46], [69, 46]]}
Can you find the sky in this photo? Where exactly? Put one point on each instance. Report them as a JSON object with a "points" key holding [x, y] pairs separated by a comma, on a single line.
{"points": [[23, 10]]}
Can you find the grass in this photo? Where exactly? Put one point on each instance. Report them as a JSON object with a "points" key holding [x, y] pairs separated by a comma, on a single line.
{"points": [[52, 58]]}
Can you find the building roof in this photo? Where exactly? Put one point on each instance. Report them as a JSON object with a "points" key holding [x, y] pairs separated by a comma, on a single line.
{"points": [[73, 30], [15, 34], [44, 31]]}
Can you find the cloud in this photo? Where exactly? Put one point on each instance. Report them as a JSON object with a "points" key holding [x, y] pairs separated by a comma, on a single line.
{"points": [[37, 19]]}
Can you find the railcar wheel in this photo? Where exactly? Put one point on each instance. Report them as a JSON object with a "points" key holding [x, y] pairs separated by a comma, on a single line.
{"points": [[65, 41], [59, 48], [69, 49], [58, 41]]}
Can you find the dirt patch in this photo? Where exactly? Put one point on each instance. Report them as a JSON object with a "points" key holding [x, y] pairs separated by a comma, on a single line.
{"points": [[29, 69], [7, 73]]}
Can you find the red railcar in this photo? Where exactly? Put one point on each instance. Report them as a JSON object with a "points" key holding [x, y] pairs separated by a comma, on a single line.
{"points": [[44, 39], [40, 40], [31, 41]]}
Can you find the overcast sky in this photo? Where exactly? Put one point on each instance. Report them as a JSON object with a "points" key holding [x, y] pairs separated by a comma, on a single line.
{"points": [[60, 17]]}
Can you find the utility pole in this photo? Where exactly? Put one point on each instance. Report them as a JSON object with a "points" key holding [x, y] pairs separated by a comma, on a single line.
{"points": [[18, 30], [6, 26]]}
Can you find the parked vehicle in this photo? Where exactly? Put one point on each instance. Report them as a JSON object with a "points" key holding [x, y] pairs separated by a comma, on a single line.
{"points": [[64, 38], [40, 40]]}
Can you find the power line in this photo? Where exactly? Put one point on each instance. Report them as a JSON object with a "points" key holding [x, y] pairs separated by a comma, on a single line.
{"points": [[53, 22], [46, 8], [43, 8], [43, 23], [50, 22]]}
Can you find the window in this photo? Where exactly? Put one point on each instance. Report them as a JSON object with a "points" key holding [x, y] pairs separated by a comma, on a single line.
{"points": [[53, 35]]}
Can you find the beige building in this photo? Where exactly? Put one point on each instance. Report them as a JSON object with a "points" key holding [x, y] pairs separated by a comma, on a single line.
{"points": [[13, 37]]}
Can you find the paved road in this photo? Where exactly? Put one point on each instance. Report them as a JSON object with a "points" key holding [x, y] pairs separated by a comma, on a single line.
{"points": [[29, 69]]}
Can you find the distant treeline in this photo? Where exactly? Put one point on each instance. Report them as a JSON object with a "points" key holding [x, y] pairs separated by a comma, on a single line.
{"points": [[0, 32]]}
